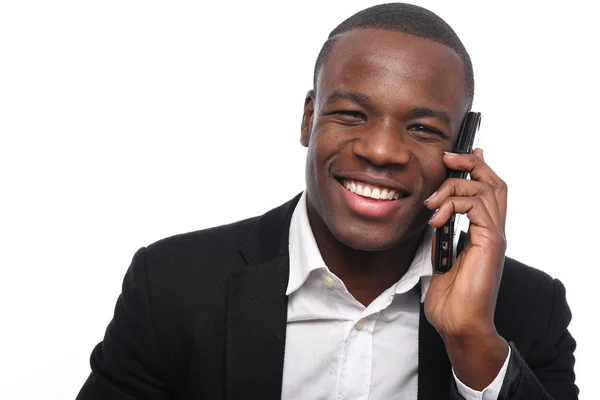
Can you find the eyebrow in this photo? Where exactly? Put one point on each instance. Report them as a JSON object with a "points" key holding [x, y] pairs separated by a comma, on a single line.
{"points": [[356, 97], [427, 112]]}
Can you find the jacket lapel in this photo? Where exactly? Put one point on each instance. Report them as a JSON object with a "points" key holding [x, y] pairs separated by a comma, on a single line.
{"points": [[257, 310], [435, 371]]}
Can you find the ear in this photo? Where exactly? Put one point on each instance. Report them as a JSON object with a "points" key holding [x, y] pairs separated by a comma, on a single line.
{"points": [[307, 118]]}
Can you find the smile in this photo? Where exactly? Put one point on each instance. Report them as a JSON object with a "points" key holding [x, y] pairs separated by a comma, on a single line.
{"points": [[371, 191], [371, 201]]}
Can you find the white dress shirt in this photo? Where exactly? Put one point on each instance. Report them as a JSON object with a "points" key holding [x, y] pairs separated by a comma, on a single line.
{"points": [[336, 348]]}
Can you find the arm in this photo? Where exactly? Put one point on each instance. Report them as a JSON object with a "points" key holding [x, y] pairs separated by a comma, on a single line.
{"points": [[126, 364], [461, 303], [549, 371], [491, 392]]}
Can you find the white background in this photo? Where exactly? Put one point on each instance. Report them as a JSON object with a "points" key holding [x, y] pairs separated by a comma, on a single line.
{"points": [[123, 122]]}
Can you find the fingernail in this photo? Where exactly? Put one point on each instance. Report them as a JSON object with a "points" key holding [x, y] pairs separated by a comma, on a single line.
{"points": [[431, 197], [450, 153], [433, 216]]}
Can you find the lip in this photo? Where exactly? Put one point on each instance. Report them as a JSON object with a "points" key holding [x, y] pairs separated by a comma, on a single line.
{"points": [[368, 207], [375, 181]]}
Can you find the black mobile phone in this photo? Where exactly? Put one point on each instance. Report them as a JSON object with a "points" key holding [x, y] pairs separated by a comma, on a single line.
{"points": [[446, 237]]}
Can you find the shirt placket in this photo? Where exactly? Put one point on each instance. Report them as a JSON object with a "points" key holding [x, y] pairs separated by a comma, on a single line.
{"points": [[357, 361]]}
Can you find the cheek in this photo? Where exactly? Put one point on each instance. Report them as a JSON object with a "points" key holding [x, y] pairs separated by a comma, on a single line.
{"points": [[323, 147], [312, 160], [318, 154], [433, 171]]}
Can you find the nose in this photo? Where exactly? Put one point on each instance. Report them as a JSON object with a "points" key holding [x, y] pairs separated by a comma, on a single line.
{"points": [[383, 144]]}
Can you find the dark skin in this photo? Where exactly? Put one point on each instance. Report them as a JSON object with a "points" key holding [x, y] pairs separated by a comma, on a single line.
{"points": [[387, 107]]}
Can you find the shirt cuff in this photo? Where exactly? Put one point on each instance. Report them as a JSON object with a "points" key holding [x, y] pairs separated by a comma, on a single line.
{"points": [[489, 393]]}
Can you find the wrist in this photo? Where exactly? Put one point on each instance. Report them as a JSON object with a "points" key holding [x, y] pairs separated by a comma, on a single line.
{"points": [[477, 359], [474, 338]]}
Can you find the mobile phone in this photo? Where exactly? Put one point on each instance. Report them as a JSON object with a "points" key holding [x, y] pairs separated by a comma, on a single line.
{"points": [[446, 237]]}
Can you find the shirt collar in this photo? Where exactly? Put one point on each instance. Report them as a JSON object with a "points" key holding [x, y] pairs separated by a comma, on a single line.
{"points": [[305, 256]]}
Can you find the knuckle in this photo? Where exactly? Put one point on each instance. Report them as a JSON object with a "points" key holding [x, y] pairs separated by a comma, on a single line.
{"points": [[503, 243], [487, 187], [475, 162], [496, 239], [500, 241], [501, 186], [452, 184], [452, 205], [467, 187], [478, 202]]}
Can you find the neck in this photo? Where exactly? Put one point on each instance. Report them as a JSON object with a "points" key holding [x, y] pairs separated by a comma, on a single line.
{"points": [[366, 274]]}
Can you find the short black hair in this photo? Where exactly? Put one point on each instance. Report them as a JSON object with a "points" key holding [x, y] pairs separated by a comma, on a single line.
{"points": [[406, 18]]}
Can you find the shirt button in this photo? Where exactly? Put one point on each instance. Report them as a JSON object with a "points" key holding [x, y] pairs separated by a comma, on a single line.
{"points": [[328, 281], [360, 324]]}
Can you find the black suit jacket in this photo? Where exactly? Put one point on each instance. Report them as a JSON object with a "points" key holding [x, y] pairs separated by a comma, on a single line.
{"points": [[203, 316]]}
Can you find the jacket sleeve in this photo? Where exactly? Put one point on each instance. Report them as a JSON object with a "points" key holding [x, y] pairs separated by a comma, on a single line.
{"points": [[548, 373], [126, 364]]}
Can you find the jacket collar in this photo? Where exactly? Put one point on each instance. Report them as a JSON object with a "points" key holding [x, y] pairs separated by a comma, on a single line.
{"points": [[268, 237]]}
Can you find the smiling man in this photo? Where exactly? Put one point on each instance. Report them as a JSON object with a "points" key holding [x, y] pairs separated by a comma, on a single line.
{"points": [[332, 295]]}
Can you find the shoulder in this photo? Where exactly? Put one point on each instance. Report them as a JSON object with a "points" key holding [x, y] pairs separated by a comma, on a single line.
{"points": [[200, 252], [524, 288], [192, 266], [195, 266], [186, 275], [210, 243], [525, 281]]}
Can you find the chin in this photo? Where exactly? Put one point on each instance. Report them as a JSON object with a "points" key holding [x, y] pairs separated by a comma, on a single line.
{"points": [[359, 238]]}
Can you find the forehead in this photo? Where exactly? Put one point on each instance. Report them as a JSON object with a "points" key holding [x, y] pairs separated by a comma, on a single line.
{"points": [[394, 65]]}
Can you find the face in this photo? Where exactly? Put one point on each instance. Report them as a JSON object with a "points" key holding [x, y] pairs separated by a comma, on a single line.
{"points": [[387, 104]]}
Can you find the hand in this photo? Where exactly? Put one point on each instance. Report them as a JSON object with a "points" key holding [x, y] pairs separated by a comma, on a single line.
{"points": [[461, 303]]}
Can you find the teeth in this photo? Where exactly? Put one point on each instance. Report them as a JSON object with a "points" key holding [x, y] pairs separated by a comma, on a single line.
{"points": [[366, 190]]}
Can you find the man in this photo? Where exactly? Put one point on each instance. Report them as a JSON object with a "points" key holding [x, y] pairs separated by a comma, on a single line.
{"points": [[332, 295]]}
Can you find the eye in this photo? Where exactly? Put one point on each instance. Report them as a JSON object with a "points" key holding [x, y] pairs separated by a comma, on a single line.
{"points": [[425, 132], [352, 114], [347, 116]]}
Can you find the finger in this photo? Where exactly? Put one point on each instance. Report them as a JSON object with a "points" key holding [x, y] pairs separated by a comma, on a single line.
{"points": [[473, 207], [483, 232], [480, 171], [474, 164], [455, 187], [485, 239]]}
